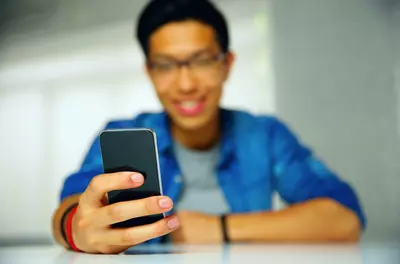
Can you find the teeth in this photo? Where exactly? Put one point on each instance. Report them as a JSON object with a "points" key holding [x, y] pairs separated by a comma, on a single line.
{"points": [[189, 104]]}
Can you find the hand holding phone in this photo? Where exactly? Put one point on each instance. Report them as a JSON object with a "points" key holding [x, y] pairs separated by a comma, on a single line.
{"points": [[132, 150], [91, 224]]}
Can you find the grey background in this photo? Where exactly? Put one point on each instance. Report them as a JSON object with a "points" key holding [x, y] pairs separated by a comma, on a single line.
{"points": [[335, 64]]}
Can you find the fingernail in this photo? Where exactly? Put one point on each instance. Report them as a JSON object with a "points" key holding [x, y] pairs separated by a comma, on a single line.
{"points": [[164, 203], [137, 178], [173, 223]]}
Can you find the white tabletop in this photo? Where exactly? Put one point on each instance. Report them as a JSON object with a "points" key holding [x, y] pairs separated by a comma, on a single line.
{"points": [[364, 253]]}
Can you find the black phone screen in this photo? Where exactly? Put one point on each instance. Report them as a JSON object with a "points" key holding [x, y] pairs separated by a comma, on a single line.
{"points": [[132, 150]]}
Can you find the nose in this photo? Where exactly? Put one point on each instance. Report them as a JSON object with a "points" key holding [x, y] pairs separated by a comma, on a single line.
{"points": [[186, 82]]}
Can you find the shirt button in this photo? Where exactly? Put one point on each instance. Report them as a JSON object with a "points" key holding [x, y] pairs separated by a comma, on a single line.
{"points": [[178, 179]]}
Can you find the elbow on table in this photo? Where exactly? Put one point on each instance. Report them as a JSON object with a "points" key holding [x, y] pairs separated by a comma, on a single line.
{"points": [[347, 223]]}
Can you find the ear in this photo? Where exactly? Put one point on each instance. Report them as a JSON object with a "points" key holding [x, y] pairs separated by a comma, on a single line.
{"points": [[229, 61], [147, 69], [148, 72]]}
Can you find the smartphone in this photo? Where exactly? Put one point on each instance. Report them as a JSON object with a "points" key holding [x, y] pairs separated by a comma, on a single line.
{"points": [[132, 150]]}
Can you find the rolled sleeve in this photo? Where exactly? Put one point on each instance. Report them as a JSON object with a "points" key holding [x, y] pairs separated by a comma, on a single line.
{"points": [[300, 176], [91, 166]]}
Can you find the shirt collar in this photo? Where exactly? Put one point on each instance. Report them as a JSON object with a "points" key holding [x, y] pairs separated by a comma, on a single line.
{"points": [[227, 137], [164, 138]]}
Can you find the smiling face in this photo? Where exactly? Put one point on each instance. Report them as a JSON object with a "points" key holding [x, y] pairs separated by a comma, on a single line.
{"points": [[191, 92]]}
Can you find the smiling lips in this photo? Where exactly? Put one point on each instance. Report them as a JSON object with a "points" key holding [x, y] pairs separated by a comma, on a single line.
{"points": [[190, 108]]}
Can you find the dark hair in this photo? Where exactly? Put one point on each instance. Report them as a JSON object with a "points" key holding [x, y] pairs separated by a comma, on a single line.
{"points": [[160, 12]]}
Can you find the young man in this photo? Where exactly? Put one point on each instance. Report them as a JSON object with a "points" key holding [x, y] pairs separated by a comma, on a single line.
{"points": [[213, 161]]}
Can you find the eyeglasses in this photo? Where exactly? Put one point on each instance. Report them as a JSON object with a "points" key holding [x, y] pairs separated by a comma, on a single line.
{"points": [[200, 66]]}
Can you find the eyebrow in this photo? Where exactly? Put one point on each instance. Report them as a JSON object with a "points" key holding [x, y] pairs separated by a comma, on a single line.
{"points": [[195, 54]]}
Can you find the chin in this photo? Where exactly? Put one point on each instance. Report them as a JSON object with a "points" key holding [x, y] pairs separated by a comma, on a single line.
{"points": [[191, 123]]}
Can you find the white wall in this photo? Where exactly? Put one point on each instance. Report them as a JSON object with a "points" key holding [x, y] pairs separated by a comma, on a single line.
{"points": [[334, 84], [61, 80]]}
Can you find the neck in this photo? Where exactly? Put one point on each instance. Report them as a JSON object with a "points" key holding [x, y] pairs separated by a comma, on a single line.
{"points": [[200, 139]]}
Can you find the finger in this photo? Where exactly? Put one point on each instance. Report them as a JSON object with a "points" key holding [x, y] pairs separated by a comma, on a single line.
{"points": [[122, 211], [139, 234], [101, 184]]}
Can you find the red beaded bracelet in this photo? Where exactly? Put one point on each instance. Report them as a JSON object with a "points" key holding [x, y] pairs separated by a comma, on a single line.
{"points": [[69, 229]]}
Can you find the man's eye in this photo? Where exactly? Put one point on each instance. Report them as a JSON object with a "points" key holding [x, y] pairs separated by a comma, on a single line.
{"points": [[165, 66], [202, 62]]}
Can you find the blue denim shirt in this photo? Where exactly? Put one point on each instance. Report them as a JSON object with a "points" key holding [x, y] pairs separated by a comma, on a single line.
{"points": [[258, 155]]}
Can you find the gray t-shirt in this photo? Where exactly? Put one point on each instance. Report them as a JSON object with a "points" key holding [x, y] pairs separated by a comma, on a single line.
{"points": [[201, 191]]}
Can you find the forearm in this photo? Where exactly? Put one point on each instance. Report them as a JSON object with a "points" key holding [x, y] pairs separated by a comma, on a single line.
{"points": [[318, 220], [57, 217]]}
